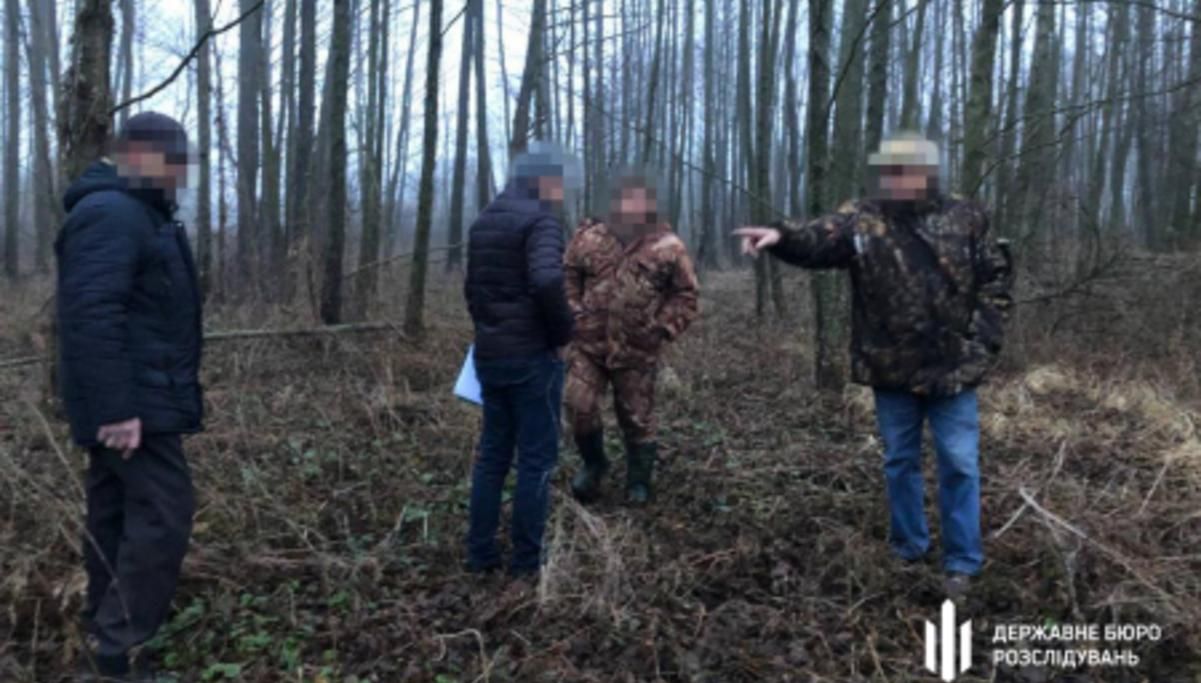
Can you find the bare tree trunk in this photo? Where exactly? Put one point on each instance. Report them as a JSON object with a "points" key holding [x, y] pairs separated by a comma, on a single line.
{"points": [[1182, 158], [1038, 134], [708, 247], [979, 117], [45, 199], [934, 123], [204, 220], [12, 138], [656, 62], [530, 79], [483, 156], [271, 236], [846, 164], [504, 70], [372, 161], [826, 372], [454, 257], [792, 121], [1118, 23], [129, 25], [303, 138], [910, 105], [877, 74], [225, 151], [415, 305], [400, 174], [1154, 233], [1009, 132], [339, 56], [249, 58]]}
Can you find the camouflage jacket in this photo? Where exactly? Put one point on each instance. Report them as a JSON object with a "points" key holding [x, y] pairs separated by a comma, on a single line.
{"points": [[931, 289], [628, 300]]}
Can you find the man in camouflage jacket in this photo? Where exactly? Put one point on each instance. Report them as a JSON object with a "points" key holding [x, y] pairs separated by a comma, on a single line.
{"points": [[632, 289], [931, 290]]}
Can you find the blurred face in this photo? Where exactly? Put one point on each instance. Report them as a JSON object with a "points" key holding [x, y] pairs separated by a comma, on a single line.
{"points": [[904, 183], [635, 205], [148, 167], [550, 189]]}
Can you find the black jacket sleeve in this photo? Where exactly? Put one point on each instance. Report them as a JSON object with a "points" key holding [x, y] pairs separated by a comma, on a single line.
{"points": [[544, 261], [100, 256]]}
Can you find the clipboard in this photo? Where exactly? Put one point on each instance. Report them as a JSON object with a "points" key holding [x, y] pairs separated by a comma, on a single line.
{"points": [[467, 387]]}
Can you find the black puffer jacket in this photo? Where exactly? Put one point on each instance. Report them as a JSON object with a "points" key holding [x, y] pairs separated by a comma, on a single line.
{"points": [[129, 311], [514, 286]]}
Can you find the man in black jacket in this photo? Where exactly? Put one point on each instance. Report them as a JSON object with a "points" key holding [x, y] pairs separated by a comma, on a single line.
{"points": [[515, 292], [129, 318]]}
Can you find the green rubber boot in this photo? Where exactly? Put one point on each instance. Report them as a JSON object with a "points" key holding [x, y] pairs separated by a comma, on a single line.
{"points": [[585, 486], [640, 469]]}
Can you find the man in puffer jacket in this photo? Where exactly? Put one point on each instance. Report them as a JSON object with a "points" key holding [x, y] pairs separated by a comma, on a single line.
{"points": [[514, 291], [930, 292], [632, 289], [129, 320]]}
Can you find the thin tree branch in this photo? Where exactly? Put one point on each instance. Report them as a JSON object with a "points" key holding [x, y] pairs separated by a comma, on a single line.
{"points": [[211, 33]]}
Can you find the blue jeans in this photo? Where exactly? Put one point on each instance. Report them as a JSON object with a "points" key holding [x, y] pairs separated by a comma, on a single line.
{"points": [[955, 425], [522, 403]]}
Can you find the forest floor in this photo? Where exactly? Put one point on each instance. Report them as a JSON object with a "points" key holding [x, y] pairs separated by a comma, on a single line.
{"points": [[333, 482]]}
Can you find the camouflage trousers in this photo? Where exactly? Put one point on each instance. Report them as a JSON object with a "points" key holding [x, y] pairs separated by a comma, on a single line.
{"points": [[633, 397]]}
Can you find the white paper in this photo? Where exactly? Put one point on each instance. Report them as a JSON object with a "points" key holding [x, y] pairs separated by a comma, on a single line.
{"points": [[468, 385]]}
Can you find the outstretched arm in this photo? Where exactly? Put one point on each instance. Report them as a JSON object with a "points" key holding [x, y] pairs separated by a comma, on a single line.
{"points": [[826, 242]]}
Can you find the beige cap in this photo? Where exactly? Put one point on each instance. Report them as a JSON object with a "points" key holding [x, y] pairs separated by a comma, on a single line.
{"points": [[906, 149]]}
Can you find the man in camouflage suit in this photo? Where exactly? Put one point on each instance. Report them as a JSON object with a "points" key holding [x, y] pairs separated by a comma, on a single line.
{"points": [[632, 288], [930, 295]]}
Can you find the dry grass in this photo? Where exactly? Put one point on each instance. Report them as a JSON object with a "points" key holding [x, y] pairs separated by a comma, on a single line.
{"points": [[333, 482]]}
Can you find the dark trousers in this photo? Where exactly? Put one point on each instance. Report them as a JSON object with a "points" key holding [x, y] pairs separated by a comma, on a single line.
{"points": [[522, 405], [139, 520]]}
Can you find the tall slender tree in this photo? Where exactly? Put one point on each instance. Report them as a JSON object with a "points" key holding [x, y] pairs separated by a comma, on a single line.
{"points": [[414, 321], [877, 72], [979, 106], [249, 66], [204, 134], [535, 65], [454, 257], [816, 154], [45, 200], [483, 156], [12, 138], [339, 58], [846, 162]]}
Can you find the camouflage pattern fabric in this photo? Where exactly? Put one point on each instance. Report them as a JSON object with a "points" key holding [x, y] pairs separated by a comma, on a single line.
{"points": [[629, 300], [931, 289], [633, 397]]}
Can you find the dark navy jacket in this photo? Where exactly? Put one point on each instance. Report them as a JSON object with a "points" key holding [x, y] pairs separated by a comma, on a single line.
{"points": [[129, 310], [515, 278]]}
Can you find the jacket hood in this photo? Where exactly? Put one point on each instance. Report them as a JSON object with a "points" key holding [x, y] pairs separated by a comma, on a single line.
{"points": [[102, 176]]}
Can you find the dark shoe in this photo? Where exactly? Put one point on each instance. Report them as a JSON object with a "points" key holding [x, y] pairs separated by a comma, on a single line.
{"points": [[640, 469], [956, 585], [585, 486]]}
